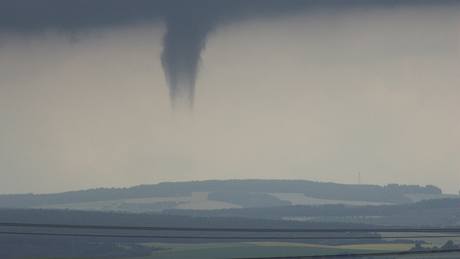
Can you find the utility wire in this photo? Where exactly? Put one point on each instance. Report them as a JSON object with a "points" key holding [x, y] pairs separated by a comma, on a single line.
{"points": [[208, 229], [350, 255], [218, 237]]}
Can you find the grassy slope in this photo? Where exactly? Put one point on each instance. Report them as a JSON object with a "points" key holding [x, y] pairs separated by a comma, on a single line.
{"points": [[260, 249]]}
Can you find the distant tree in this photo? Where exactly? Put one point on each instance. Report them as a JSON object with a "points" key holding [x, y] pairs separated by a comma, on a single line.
{"points": [[418, 246], [449, 245]]}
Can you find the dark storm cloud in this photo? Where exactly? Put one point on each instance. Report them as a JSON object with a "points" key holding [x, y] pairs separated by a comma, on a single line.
{"points": [[188, 23]]}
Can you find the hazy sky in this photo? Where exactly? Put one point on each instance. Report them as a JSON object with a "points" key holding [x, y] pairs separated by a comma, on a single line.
{"points": [[319, 97]]}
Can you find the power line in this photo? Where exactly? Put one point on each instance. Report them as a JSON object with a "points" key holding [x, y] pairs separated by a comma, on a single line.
{"points": [[206, 229], [219, 237], [351, 255], [208, 237]]}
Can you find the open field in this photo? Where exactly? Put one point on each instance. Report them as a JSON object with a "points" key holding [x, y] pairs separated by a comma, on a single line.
{"points": [[269, 249], [196, 201], [260, 249]]}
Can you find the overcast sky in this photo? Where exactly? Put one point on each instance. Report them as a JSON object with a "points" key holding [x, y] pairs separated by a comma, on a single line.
{"points": [[320, 97]]}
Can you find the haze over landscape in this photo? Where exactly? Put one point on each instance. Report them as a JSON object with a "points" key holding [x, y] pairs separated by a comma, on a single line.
{"points": [[318, 96], [229, 129]]}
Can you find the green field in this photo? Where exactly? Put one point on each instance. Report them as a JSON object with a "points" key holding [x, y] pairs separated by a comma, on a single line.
{"points": [[268, 249], [260, 249]]}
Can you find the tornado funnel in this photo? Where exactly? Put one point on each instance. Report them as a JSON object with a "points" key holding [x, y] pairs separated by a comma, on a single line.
{"points": [[184, 40]]}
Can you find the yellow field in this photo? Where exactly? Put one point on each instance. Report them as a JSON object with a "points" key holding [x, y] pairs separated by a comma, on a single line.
{"points": [[380, 247]]}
